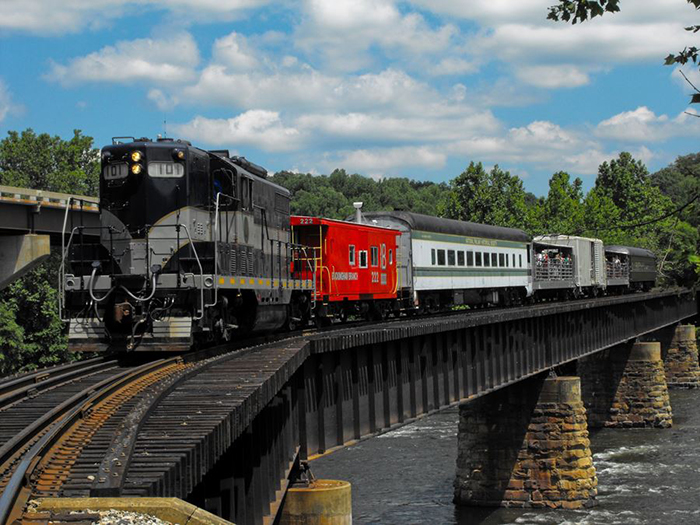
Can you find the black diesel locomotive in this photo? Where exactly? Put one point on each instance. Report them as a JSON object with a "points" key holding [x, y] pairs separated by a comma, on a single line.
{"points": [[193, 246]]}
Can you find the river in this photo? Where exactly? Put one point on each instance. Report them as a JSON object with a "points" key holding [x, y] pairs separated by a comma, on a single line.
{"points": [[645, 476]]}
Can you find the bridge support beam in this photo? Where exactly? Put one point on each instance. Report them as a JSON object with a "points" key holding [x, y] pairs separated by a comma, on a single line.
{"points": [[526, 446], [625, 387], [681, 358], [19, 254]]}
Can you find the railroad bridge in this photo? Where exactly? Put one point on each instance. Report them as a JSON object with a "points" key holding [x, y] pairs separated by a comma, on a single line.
{"points": [[227, 432], [32, 220]]}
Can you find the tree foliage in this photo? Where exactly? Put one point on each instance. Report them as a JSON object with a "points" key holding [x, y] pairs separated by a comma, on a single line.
{"points": [[489, 197], [332, 195], [31, 333], [28, 160]]}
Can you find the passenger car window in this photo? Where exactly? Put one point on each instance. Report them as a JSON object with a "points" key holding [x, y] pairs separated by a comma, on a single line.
{"points": [[451, 257], [441, 257]]}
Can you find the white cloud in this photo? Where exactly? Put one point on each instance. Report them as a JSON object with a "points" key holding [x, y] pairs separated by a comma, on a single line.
{"points": [[554, 55], [343, 32], [643, 125], [4, 101], [47, 17], [7, 106], [162, 101], [454, 66], [169, 60], [258, 128], [376, 162], [560, 76]]}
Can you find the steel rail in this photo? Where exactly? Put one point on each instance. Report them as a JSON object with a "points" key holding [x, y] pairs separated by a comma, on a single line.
{"points": [[10, 383], [54, 424], [30, 387]]}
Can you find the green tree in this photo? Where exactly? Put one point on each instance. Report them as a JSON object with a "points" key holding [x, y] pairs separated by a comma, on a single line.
{"points": [[626, 208], [562, 210], [680, 181], [31, 333], [495, 197], [28, 160], [332, 195]]}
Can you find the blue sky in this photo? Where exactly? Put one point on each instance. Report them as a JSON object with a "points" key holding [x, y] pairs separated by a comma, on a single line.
{"points": [[384, 88]]}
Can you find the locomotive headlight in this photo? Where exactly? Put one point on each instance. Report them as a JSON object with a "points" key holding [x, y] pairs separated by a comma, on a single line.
{"points": [[135, 156], [178, 154], [136, 169]]}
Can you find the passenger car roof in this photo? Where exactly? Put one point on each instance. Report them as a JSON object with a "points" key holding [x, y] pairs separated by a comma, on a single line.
{"points": [[417, 221]]}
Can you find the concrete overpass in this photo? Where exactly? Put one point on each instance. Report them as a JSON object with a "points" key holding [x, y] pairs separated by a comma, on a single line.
{"points": [[32, 220]]}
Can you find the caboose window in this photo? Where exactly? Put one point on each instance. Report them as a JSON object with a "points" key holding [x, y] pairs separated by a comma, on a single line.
{"points": [[166, 169], [351, 255], [470, 258], [383, 256], [391, 257], [451, 257], [363, 258], [374, 261], [441, 257], [460, 258]]}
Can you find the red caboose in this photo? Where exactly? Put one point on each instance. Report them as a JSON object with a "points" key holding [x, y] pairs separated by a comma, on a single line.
{"points": [[355, 266]]}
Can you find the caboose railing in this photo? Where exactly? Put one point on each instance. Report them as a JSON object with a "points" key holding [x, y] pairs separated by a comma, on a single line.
{"points": [[554, 270], [617, 270]]}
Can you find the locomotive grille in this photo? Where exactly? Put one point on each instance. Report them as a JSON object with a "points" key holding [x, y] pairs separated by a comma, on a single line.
{"points": [[244, 261], [232, 262], [251, 268]]}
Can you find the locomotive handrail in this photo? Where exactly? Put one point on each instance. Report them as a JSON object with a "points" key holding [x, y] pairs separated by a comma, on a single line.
{"points": [[196, 257], [216, 250]]}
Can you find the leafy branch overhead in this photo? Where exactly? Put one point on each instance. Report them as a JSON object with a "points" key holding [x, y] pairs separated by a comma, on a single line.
{"points": [[581, 10]]}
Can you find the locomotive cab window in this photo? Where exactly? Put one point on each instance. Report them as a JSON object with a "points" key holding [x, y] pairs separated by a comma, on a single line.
{"points": [[351, 255], [363, 258], [169, 170], [374, 256]]}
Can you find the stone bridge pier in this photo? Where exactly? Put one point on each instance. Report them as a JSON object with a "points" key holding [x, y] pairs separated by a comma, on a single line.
{"points": [[527, 445]]}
